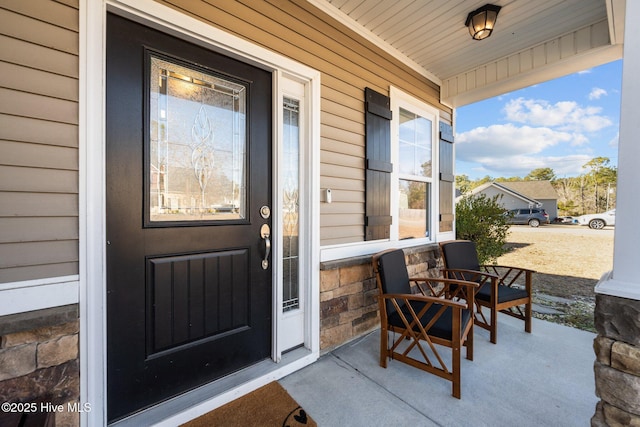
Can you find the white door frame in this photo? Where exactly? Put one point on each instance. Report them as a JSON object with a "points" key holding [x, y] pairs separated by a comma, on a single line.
{"points": [[92, 206]]}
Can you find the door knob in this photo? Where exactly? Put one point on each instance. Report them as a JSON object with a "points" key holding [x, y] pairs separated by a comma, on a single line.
{"points": [[265, 233]]}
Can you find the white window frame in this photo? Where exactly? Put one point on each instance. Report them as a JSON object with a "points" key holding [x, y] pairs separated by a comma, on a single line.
{"points": [[400, 99]]}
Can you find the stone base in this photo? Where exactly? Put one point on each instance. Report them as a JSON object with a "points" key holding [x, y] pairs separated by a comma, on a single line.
{"points": [[39, 366], [348, 294], [617, 367]]}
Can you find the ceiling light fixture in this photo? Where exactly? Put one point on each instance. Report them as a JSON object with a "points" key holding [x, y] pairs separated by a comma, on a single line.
{"points": [[481, 21]]}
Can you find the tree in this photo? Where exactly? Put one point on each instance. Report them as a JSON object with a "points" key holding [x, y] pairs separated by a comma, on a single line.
{"points": [[482, 220], [541, 174], [601, 175], [463, 183]]}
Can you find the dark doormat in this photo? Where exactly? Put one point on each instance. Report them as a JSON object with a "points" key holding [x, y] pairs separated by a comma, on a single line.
{"points": [[267, 406]]}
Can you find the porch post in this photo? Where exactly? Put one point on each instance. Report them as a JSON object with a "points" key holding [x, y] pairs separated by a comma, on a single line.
{"points": [[617, 314]]}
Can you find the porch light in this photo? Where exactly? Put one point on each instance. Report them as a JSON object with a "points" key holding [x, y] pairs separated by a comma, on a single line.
{"points": [[481, 21]]}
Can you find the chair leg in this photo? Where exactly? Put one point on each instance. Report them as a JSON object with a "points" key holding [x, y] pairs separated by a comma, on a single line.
{"points": [[493, 335], [469, 343], [527, 317], [455, 353], [384, 336]]}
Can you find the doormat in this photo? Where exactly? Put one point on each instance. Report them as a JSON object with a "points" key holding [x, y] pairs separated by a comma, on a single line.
{"points": [[267, 406]]}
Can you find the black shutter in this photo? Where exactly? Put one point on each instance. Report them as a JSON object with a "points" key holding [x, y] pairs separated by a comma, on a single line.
{"points": [[378, 165], [447, 178]]}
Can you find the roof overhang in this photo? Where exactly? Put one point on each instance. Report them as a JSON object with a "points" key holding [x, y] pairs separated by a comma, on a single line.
{"points": [[533, 41]]}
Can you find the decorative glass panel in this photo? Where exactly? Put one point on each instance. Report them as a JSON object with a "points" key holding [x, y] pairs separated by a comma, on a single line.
{"points": [[413, 209], [197, 154], [415, 144], [291, 195]]}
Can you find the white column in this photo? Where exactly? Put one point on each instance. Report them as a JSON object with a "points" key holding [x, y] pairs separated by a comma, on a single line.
{"points": [[624, 280]]}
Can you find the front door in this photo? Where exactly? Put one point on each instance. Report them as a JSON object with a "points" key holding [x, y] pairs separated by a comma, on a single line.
{"points": [[188, 152]]}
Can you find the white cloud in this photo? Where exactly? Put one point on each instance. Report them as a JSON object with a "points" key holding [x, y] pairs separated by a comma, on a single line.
{"points": [[563, 115], [539, 134], [597, 93], [510, 150]]}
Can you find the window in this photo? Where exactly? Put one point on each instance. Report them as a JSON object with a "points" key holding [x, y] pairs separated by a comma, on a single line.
{"points": [[197, 148], [413, 148], [290, 203]]}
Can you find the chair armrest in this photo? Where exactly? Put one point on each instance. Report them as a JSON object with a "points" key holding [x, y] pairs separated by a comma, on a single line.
{"points": [[423, 298], [456, 271], [526, 270], [510, 275]]}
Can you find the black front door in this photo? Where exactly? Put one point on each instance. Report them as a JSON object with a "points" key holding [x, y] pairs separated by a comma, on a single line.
{"points": [[188, 152]]}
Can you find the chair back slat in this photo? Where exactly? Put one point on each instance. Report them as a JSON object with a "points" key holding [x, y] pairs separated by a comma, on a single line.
{"points": [[460, 254], [394, 278]]}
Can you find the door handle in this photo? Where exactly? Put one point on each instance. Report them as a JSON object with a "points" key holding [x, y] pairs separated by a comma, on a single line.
{"points": [[265, 233]]}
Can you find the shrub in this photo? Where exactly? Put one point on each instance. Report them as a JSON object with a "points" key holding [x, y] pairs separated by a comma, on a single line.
{"points": [[482, 220]]}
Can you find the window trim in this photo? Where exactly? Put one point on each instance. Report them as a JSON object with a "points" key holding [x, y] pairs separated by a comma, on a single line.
{"points": [[400, 99]]}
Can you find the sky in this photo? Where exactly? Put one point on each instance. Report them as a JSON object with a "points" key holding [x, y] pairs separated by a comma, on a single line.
{"points": [[560, 124]]}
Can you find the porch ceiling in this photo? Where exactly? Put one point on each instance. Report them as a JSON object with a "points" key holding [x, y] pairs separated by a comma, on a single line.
{"points": [[533, 41]]}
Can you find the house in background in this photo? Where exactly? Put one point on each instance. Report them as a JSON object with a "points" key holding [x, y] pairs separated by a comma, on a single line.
{"points": [[522, 195], [191, 191]]}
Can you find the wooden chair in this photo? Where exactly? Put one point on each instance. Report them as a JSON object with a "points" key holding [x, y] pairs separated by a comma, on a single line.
{"points": [[421, 321], [498, 288]]}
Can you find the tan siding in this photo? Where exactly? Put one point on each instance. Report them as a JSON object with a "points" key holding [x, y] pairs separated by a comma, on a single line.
{"points": [[38, 139], [16, 274], [37, 180], [348, 64], [57, 13], [335, 146], [17, 230], [38, 32], [38, 204], [39, 82], [26, 129], [38, 57], [38, 156], [39, 253], [331, 158], [37, 106]]}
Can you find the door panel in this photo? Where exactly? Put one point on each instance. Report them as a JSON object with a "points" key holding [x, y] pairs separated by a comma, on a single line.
{"points": [[188, 151], [188, 298]]}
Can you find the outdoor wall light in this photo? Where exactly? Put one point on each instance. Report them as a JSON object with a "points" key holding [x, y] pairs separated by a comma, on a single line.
{"points": [[481, 21]]}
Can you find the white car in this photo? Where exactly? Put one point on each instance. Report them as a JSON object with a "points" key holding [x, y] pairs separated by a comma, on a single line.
{"points": [[598, 221]]}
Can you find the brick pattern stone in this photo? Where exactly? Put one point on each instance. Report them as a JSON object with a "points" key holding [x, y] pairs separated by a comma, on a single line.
{"points": [[41, 364], [348, 295], [617, 366]]}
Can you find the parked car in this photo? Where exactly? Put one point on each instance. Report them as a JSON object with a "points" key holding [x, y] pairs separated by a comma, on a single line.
{"points": [[532, 216], [598, 221]]}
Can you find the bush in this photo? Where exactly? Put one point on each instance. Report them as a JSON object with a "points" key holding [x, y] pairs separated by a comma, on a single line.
{"points": [[482, 220]]}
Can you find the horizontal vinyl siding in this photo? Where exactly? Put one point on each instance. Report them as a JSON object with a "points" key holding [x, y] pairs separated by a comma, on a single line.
{"points": [[348, 64], [38, 139]]}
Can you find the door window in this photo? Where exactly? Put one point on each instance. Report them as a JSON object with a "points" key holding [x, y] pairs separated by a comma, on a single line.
{"points": [[197, 152]]}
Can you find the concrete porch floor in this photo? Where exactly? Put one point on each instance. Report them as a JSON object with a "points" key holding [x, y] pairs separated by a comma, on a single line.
{"points": [[540, 379]]}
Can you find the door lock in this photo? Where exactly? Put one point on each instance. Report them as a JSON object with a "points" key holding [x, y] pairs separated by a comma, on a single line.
{"points": [[265, 212]]}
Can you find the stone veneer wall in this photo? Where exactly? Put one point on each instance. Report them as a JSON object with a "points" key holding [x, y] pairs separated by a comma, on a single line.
{"points": [[39, 361], [348, 291], [617, 366]]}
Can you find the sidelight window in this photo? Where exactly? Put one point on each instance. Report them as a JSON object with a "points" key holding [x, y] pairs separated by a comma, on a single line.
{"points": [[291, 204]]}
